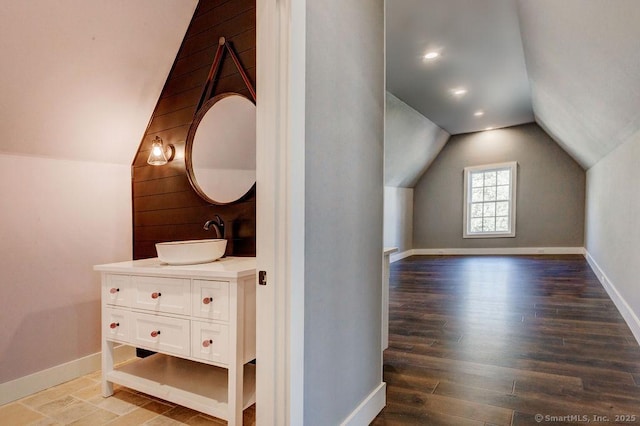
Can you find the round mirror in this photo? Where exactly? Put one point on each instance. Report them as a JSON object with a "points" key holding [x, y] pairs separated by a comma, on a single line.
{"points": [[220, 149]]}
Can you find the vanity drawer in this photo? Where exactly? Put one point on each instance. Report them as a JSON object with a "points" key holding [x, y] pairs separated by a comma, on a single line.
{"points": [[160, 294], [116, 290], [210, 299], [210, 342], [116, 325], [158, 333]]}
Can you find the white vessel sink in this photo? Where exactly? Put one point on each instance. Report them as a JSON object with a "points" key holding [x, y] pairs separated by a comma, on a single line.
{"points": [[191, 252]]}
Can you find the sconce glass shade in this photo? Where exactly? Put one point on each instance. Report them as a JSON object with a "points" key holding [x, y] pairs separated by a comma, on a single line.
{"points": [[158, 155]]}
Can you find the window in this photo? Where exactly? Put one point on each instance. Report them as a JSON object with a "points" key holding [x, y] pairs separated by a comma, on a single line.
{"points": [[490, 200]]}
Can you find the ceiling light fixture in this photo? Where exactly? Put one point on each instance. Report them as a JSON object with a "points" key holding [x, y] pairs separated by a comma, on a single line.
{"points": [[478, 113], [460, 91], [431, 55]]}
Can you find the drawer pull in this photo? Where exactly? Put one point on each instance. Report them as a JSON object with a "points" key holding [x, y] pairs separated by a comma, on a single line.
{"points": [[155, 333], [207, 343], [207, 300], [114, 290], [156, 295], [114, 325]]}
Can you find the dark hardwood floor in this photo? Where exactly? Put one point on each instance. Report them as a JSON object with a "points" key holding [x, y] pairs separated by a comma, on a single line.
{"points": [[497, 340]]}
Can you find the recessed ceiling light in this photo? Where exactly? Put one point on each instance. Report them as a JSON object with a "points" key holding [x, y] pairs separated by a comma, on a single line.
{"points": [[431, 55], [478, 113], [460, 91]]}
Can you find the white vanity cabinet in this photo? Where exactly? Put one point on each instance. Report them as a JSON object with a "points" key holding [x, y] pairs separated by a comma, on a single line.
{"points": [[200, 319]]}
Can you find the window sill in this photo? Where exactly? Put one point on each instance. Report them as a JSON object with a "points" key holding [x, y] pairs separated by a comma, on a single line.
{"points": [[494, 235]]}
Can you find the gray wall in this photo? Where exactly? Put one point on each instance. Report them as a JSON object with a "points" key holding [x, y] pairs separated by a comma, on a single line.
{"points": [[344, 206], [613, 230], [411, 143], [398, 218], [550, 191]]}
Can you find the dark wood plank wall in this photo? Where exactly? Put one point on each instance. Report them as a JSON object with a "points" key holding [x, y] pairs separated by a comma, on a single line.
{"points": [[165, 207]]}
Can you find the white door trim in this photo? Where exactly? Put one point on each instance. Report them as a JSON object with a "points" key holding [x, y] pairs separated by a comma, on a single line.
{"points": [[280, 210]]}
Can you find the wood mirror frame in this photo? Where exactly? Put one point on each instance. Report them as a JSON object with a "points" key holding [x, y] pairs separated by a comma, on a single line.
{"points": [[205, 105], [220, 151]]}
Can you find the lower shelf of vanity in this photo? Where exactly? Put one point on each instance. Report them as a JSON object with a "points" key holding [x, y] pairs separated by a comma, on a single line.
{"points": [[198, 386]]}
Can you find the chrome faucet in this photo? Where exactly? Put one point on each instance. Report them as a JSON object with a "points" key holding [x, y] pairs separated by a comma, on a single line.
{"points": [[217, 224]]}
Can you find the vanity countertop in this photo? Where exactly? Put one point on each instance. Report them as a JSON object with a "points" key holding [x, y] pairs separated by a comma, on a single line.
{"points": [[226, 267]]}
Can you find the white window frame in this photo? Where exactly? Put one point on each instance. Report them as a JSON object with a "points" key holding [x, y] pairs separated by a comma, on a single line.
{"points": [[513, 167]]}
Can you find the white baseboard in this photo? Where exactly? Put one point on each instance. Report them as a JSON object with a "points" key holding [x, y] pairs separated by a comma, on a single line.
{"points": [[369, 408], [623, 307], [394, 257], [497, 251], [36, 382]]}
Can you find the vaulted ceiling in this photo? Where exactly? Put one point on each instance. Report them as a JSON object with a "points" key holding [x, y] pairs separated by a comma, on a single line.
{"points": [[79, 79], [584, 68], [478, 49], [573, 66], [81, 75]]}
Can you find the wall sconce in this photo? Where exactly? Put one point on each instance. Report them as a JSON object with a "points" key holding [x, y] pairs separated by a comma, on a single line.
{"points": [[159, 156]]}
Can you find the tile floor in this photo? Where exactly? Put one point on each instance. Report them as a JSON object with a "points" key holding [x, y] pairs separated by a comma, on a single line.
{"points": [[79, 402]]}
